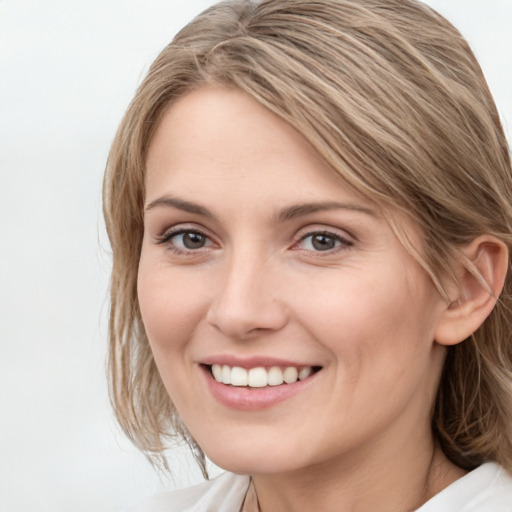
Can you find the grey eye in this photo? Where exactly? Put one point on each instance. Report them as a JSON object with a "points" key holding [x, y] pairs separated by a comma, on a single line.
{"points": [[190, 240], [323, 242]]}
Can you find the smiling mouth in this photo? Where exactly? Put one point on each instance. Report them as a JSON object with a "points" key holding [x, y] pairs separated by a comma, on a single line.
{"points": [[260, 377]]}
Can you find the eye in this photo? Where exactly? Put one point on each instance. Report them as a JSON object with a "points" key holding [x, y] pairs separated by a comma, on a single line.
{"points": [[322, 241], [185, 240], [190, 240]]}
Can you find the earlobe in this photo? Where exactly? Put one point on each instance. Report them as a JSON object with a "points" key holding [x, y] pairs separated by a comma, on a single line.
{"points": [[482, 269]]}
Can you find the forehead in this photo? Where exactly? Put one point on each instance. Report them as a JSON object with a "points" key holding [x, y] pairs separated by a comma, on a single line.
{"points": [[214, 137]]}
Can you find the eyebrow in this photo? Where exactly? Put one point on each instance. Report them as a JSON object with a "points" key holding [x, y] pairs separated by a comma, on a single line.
{"points": [[286, 214], [299, 210], [180, 204]]}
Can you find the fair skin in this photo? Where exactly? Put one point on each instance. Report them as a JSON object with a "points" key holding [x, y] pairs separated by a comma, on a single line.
{"points": [[257, 255]]}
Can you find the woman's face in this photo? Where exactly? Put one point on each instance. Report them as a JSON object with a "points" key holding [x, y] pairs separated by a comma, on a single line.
{"points": [[259, 264]]}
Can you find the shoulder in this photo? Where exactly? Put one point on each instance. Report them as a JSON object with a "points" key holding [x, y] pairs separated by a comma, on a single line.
{"points": [[224, 493], [489, 487]]}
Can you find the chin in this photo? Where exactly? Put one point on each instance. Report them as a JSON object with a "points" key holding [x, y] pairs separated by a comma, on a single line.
{"points": [[255, 457], [244, 465]]}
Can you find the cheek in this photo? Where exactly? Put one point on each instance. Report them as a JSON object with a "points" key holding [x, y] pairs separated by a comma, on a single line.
{"points": [[373, 323], [171, 311], [170, 305], [381, 353]]}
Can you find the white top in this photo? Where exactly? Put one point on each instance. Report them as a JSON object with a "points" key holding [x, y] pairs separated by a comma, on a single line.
{"points": [[486, 489]]}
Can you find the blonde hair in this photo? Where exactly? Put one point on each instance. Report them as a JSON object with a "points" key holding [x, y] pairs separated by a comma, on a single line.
{"points": [[391, 96]]}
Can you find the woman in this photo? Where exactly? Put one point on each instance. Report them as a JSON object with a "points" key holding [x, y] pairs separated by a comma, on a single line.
{"points": [[309, 205]]}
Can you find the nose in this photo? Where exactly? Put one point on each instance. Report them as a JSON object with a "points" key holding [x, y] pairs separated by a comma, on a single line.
{"points": [[248, 300]]}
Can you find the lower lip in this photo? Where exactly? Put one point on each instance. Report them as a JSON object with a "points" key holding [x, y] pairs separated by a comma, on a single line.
{"points": [[252, 399]]}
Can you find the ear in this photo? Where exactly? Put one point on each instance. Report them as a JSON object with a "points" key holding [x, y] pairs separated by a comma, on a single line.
{"points": [[482, 270]]}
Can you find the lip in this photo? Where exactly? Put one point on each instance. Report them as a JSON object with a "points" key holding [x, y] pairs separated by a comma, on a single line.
{"points": [[253, 399], [253, 362]]}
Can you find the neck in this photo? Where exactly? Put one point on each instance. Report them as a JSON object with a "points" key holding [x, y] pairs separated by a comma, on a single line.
{"points": [[400, 479]]}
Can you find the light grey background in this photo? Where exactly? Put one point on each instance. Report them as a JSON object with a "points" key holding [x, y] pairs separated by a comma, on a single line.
{"points": [[67, 71]]}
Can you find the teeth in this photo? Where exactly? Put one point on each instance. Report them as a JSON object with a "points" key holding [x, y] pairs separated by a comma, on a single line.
{"points": [[305, 372], [259, 377], [275, 376], [290, 375], [217, 372], [226, 374], [238, 376]]}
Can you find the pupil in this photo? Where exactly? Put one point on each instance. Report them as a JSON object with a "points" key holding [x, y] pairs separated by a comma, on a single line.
{"points": [[323, 242], [193, 240]]}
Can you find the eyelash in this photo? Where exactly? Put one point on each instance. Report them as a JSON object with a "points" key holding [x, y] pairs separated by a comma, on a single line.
{"points": [[166, 238], [344, 243]]}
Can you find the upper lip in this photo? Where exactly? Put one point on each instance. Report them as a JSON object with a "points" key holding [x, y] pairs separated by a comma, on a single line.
{"points": [[253, 362]]}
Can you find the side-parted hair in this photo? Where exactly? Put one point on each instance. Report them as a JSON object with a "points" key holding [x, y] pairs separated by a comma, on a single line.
{"points": [[391, 96]]}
